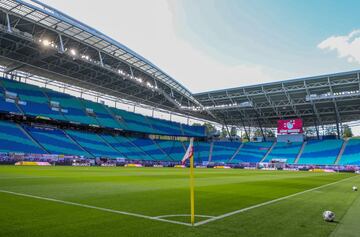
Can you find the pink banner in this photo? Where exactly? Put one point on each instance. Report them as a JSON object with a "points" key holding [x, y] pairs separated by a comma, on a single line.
{"points": [[290, 126]]}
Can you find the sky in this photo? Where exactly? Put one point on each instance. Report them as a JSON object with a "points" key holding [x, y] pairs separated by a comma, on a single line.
{"points": [[214, 44]]}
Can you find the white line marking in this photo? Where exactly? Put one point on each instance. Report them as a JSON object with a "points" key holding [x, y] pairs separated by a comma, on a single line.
{"points": [[266, 203], [96, 208], [175, 215]]}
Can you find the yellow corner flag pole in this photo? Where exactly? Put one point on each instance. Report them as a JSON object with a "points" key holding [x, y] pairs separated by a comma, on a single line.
{"points": [[192, 191]]}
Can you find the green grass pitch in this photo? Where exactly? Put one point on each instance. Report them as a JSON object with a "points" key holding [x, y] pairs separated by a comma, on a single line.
{"points": [[101, 201]]}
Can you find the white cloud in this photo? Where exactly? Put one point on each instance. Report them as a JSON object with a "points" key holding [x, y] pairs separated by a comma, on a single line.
{"points": [[148, 28], [346, 46]]}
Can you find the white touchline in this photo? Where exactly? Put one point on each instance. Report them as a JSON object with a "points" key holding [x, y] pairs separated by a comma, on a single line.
{"points": [[266, 203], [94, 207]]}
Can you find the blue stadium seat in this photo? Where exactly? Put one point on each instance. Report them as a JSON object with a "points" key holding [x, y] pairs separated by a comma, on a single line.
{"points": [[224, 150], [165, 127], [321, 152], [33, 101], [283, 150], [252, 152], [94, 144], [351, 155], [14, 139], [72, 108], [173, 149], [56, 141], [134, 122], [193, 131], [102, 115], [150, 148]]}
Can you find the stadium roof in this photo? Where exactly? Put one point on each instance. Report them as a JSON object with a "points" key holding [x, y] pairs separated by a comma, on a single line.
{"points": [[319, 100], [40, 40]]}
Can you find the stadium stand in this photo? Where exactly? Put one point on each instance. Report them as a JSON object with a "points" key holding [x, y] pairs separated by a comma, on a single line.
{"points": [[283, 150], [351, 155], [14, 139], [55, 141], [150, 148], [7, 104], [201, 151], [71, 108], [21, 98], [174, 149], [133, 152], [165, 127], [224, 150], [30, 99], [101, 114], [134, 122], [320, 152], [252, 152], [93, 144]]}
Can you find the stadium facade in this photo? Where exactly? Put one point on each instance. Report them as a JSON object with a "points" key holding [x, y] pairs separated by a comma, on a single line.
{"points": [[40, 44]]}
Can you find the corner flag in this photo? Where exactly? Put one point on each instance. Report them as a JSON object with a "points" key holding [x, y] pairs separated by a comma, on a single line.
{"points": [[190, 155]]}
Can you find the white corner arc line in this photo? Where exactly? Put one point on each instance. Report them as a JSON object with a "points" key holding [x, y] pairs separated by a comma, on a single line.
{"points": [[266, 203], [176, 215], [95, 207]]}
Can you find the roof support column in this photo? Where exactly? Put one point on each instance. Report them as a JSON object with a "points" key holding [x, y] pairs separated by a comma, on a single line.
{"points": [[8, 23], [227, 129], [101, 59], [337, 126], [62, 50], [261, 129], [246, 133], [317, 130]]}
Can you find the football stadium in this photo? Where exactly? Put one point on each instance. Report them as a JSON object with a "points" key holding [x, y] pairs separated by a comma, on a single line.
{"points": [[84, 151]]}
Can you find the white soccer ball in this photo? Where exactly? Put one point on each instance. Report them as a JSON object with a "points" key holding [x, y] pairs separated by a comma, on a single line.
{"points": [[328, 216], [354, 188]]}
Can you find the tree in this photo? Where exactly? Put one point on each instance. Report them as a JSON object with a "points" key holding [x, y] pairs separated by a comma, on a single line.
{"points": [[330, 131], [269, 133], [210, 129], [223, 133], [258, 133], [310, 132], [233, 131], [347, 131]]}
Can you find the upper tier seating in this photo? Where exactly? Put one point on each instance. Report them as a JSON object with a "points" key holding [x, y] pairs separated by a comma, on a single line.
{"points": [[321, 152], [71, 108], [94, 144], [102, 115], [174, 149], [196, 131], [31, 99], [284, 150], [55, 141], [351, 155], [14, 139], [35, 101], [165, 127], [8, 105], [252, 152], [134, 122], [224, 150]]}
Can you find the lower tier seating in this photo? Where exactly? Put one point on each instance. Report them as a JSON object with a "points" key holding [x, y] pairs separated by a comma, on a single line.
{"points": [[284, 150], [14, 139], [224, 150], [351, 155], [322, 152], [252, 152]]}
